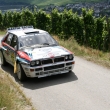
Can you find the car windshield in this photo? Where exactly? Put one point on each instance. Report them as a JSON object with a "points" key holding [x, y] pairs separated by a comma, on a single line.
{"points": [[36, 40]]}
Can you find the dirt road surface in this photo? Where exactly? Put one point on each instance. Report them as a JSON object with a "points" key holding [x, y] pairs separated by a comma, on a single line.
{"points": [[86, 88]]}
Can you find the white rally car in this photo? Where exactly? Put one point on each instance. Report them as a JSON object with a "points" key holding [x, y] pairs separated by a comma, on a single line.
{"points": [[34, 53]]}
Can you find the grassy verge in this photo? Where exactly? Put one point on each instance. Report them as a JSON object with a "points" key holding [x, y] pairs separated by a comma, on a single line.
{"points": [[11, 96], [2, 33], [99, 57]]}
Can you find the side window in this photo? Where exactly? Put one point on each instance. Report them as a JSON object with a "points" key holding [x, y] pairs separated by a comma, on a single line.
{"points": [[9, 38], [14, 42]]}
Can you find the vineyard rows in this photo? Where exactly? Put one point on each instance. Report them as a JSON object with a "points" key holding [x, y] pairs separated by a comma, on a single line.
{"points": [[85, 29]]}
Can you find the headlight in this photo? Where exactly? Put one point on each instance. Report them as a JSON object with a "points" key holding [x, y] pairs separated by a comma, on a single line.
{"points": [[71, 57], [37, 62], [66, 57], [33, 63]]}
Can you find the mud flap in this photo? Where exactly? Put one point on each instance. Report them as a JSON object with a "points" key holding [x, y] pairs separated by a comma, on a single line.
{"points": [[15, 67]]}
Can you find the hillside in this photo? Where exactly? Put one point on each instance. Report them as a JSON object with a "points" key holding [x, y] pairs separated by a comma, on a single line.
{"points": [[44, 2]]}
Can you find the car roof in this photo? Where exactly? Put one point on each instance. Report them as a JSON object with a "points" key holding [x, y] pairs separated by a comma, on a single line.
{"points": [[23, 30]]}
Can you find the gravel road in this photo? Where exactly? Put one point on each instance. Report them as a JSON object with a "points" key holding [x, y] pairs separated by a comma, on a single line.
{"points": [[86, 88]]}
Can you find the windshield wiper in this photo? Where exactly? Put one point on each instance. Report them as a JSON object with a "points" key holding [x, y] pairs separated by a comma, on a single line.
{"points": [[39, 45], [53, 44], [45, 44], [25, 47], [36, 45], [49, 44]]}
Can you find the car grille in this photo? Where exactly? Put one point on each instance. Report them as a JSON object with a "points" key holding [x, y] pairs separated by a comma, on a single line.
{"points": [[60, 59], [53, 67], [54, 60], [47, 61]]}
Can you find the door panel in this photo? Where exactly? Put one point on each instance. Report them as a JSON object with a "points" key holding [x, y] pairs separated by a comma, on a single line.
{"points": [[12, 57], [13, 50]]}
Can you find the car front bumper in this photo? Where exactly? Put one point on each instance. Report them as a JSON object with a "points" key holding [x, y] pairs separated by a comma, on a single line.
{"points": [[48, 70]]}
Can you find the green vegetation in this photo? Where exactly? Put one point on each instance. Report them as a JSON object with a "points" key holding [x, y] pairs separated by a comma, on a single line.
{"points": [[99, 57], [2, 33], [87, 30], [11, 97], [45, 2], [60, 2], [91, 34]]}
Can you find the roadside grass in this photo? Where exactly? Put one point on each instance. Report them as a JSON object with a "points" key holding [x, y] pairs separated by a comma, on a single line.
{"points": [[2, 33], [99, 57], [11, 96]]}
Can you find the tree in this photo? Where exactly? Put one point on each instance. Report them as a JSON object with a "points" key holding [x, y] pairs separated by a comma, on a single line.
{"points": [[43, 20], [56, 22], [1, 20], [27, 17]]}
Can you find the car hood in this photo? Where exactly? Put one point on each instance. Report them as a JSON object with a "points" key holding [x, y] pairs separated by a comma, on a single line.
{"points": [[46, 52]]}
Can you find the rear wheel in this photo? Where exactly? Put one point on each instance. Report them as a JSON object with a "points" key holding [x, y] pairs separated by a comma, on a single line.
{"points": [[3, 61], [20, 73]]}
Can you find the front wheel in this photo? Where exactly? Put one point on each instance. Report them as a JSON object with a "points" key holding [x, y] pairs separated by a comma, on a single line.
{"points": [[20, 73]]}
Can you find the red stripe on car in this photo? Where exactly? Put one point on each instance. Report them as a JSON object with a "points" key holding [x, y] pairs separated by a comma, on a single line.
{"points": [[23, 55], [5, 44], [67, 50]]}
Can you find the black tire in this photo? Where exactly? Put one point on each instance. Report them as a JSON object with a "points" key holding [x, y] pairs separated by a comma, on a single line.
{"points": [[3, 61], [20, 73], [70, 71]]}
